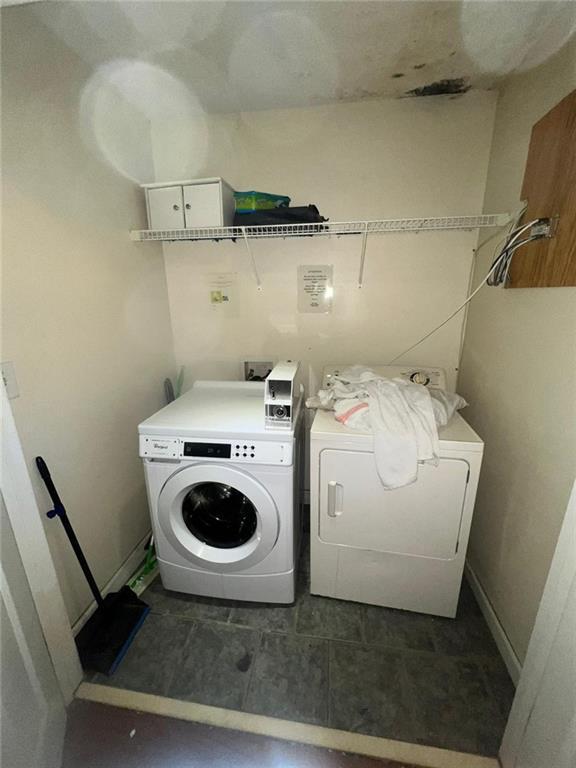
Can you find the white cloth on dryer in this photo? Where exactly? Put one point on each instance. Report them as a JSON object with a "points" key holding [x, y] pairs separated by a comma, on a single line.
{"points": [[402, 416]]}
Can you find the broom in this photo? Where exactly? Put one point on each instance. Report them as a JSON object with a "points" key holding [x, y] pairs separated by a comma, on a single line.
{"points": [[106, 636]]}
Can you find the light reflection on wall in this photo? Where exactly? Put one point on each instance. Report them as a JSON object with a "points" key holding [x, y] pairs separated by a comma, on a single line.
{"points": [[124, 93]]}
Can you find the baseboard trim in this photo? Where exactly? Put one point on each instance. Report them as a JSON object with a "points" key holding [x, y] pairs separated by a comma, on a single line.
{"points": [[319, 736], [498, 633], [117, 581]]}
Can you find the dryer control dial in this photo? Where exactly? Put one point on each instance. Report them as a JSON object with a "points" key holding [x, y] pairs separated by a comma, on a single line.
{"points": [[419, 377]]}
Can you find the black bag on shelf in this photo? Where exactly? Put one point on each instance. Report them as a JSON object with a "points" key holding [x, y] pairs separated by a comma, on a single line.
{"points": [[303, 214]]}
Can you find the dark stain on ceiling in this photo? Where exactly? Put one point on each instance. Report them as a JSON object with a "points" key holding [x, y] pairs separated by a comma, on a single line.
{"points": [[450, 86]]}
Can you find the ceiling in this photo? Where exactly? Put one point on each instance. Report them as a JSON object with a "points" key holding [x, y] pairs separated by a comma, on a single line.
{"points": [[240, 56]]}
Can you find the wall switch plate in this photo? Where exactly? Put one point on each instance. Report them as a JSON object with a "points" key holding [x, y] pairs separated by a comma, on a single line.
{"points": [[257, 370], [9, 379]]}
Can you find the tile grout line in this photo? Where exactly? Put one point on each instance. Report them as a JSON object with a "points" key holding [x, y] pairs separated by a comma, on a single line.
{"points": [[252, 669], [489, 687], [185, 644], [433, 634], [407, 688], [476, 657]]}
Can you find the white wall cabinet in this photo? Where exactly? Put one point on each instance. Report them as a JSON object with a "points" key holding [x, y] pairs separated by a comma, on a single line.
{"points": [[190, 204], [165, 208]]}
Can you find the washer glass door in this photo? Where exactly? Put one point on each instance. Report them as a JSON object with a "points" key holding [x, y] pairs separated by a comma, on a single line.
{"points": [[218, 517]]}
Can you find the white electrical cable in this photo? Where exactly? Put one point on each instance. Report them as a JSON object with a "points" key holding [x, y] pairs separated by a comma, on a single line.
{"points": [[497, 274], [511, 251], [505, 253], [515, 219], [443, 323], [514, 223]]}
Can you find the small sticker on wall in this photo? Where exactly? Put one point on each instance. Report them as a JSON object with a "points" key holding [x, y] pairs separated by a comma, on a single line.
{"points": [[219, 297], [315, 288], [221, 289]]}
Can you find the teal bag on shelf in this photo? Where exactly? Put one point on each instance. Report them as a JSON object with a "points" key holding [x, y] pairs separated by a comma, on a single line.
{"points": [[248, 202]]}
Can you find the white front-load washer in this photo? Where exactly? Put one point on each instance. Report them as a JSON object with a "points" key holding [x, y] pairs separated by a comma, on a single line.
{"points": [[223, 493], [402, 548]]}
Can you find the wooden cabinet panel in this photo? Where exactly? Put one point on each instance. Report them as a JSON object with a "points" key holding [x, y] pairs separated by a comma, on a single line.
{"points": [[550, 188]]}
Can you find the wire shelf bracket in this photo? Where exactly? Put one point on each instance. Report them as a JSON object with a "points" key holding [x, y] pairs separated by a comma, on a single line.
{"points": [[252, 260], [362, 256]]}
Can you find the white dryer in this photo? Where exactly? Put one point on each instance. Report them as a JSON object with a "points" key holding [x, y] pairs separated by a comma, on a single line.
{"points": [[402, 548], [223, 494]]}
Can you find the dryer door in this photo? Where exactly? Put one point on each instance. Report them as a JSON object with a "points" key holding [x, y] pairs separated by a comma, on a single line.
{"points": [[421, 519], [218, 517]]}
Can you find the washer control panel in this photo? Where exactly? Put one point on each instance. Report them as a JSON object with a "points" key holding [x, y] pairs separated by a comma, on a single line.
{"points": [[235, 451], [435, 378]]}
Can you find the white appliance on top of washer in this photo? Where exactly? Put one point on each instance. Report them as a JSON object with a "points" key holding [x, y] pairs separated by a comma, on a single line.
{"points": [[402, 548], [223, 494]]}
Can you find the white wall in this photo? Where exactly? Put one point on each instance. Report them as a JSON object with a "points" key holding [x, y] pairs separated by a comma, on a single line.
{"points": [[367, 160], [518, 372], [85, 313], [541, 727]]}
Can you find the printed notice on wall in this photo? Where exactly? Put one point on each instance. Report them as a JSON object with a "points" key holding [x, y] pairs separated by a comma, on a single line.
{"points": [[315, 288], [222, 287]]}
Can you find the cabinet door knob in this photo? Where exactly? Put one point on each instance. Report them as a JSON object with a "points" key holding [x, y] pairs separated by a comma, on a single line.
{"points": [[188, 206], [176, 207]]}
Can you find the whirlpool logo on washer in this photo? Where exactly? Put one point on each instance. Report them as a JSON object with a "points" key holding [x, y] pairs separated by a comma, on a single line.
{"points": [[153, 447]]}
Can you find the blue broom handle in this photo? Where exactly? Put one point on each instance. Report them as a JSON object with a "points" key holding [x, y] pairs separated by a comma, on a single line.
{"points": [[60, 511]]}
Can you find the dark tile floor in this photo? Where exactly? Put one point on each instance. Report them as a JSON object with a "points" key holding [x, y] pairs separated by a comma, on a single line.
{"points": [[344, 665]]}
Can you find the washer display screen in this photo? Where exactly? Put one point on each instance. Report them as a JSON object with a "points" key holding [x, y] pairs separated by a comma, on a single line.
{"points": [[219, 515], [210, 450]]}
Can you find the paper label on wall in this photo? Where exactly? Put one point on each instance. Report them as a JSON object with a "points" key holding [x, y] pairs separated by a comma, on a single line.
{"points": [[315, 287], [222, 289]]}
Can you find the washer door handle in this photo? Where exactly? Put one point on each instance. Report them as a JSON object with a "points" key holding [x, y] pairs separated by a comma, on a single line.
{"points": [[335, 498]]}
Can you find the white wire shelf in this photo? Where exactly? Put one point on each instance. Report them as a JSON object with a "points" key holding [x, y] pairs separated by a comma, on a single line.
{"points": [[328, 228]]}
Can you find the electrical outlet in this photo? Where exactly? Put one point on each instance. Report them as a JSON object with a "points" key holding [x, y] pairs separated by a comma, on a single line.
{"points": [[257, 370], [544, 227], [9, 379]]}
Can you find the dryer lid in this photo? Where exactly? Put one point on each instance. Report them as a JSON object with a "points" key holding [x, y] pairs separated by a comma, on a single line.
{"points": [[456, 435]]}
